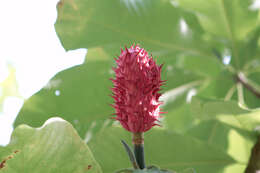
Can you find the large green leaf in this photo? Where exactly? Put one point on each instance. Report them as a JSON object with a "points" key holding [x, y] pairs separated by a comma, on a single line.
{"points": [[223, 125], [218, 86], [54, 147], [228, 112], [234, 141], [111, 24], [224, 86], [208, 68], [229, 19], [186, 116], [79, 95], [166, 149], [156, 25]]}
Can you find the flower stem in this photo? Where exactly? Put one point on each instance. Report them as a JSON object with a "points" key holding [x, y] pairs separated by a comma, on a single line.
{"points": [[138, 141]]}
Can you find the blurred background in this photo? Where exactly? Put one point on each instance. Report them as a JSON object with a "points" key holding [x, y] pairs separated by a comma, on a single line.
{"points": [[30, 55], [210, 49]]}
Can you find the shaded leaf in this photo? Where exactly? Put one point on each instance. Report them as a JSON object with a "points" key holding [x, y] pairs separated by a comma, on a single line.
{"points": [[229, 19], [166, 149]]}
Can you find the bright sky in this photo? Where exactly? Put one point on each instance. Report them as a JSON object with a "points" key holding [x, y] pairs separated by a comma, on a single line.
{"points": [[28, 41]]}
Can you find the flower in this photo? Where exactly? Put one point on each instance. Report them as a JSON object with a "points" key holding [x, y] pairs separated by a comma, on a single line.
{"points": [[136, 90]]}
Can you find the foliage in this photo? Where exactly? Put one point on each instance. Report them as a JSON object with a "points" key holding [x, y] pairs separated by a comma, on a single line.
{"points": [[54, 147], [214, 132]]}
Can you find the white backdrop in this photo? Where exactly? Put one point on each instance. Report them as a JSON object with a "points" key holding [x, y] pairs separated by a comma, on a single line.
{"points": [[29, 43]]}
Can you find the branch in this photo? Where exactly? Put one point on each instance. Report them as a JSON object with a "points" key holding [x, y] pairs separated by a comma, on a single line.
{"points": [[241, 78], [254, 163]]}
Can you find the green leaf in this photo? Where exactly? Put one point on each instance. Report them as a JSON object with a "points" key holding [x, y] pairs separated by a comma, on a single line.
{"points": [[79, 95], [225, 111], [54, 147], [153, 24], [222, 125], [219, 86], [210, 67], [228, 112], [203, 108], [249, 49], [234, 141], [253, 101], [86, 88], [166, 149], [180, 119], [188, 115], [229, 19]]}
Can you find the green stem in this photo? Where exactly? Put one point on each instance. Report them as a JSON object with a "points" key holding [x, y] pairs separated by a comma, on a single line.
{"points": [[138, 142], [139, 155]]}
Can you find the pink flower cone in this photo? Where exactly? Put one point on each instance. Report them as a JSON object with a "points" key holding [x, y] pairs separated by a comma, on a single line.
{"points": [[136, 86]]}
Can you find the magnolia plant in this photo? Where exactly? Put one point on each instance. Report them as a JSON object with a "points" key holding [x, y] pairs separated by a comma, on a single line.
{"points": [[136, 93]]}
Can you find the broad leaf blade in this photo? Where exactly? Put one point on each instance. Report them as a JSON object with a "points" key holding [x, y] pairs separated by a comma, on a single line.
{"points": [[54, 147], [82, 99], [168, 150], [153, 24], [86, 88], [229, 19]]}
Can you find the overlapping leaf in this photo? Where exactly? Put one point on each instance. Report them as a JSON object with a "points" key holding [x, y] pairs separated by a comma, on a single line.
{"points": [[220, 132], [166, 149], [80, 94], [54, 147], [223, 125], [228, 19]]}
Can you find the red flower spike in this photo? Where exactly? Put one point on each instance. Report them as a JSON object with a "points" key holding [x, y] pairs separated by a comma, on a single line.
{"points": [[136, 86]]}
